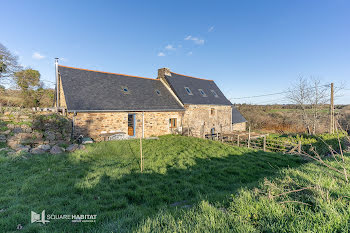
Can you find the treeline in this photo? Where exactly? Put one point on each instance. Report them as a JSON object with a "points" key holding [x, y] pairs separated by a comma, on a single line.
{"points": [[28, 91], [288, 118]]}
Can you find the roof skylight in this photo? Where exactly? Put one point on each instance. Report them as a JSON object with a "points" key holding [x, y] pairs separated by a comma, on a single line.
{"points": [[188, 90], [125, 90], [202, 92], [214, 93]]}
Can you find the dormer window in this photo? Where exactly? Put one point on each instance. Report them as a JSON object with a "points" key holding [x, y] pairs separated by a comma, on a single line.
{"points": [[202, 92], [214, 93], [188, 90], [158, 92]]}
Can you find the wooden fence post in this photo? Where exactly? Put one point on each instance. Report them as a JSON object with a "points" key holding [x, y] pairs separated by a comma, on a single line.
{"points": [[141, 165], [249, 137], [299, 146], [264, 143], [238, 140]]}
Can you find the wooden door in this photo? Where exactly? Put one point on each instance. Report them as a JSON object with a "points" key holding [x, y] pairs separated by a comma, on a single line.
{"points": [[131, 124]]}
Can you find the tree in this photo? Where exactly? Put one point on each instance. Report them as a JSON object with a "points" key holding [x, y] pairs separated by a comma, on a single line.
{"points": [[27, 80], [8, 63], [309, 95]]}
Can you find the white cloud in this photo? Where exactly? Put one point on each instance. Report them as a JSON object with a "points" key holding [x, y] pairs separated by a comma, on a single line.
{"points": [[161, 54], [37, 56], [196, 40], [211, 29], [169, 47], [190, 53]]}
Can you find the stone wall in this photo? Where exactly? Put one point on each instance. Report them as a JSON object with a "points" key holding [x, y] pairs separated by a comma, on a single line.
{"points": [[202, 118], [26, 129], [94, 124], [199, 118], [239, 126], [62, 99]]}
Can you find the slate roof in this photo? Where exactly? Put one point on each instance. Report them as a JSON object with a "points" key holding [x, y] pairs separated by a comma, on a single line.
{"points": [[237, 116], [87, 90], [178, 82]]}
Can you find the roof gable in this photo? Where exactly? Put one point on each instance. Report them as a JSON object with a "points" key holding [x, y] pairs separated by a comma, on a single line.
{"points": [[202, 91], [87, 90]]}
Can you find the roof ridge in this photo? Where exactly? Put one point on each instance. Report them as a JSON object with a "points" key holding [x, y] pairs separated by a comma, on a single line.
{"points": [[108, 72], [192, 76]]}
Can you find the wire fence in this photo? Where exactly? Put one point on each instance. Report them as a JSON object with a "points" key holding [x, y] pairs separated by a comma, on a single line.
{"points": [[259, 142]]}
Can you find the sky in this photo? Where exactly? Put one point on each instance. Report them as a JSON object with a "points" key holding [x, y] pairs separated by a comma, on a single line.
{"points": [[248, 47]]}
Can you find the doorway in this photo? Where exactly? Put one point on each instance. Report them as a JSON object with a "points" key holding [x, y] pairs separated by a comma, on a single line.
{"points": [[131, 124]]}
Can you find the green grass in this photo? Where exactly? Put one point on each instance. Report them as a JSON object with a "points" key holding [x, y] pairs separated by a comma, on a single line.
{"points": [[216, 187], [320, 143]]}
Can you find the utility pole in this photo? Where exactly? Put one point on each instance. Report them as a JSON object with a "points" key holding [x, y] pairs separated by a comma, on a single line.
{"points": [[331, 111]]}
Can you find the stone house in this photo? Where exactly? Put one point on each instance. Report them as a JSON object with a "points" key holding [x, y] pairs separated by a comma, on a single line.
{"points": [[102, 103]]}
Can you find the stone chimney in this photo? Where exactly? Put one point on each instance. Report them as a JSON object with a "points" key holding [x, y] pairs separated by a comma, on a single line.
{"points": [[162, 72]]}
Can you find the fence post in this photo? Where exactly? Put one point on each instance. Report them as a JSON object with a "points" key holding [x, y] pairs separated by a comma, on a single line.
{"points": [[264, 143], [249, 137], [299, 147], [238, 140]]}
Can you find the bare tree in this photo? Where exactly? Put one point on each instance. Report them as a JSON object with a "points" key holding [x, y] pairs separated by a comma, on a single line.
{"points": [[309, 95], [8, 64], [319, 96]]}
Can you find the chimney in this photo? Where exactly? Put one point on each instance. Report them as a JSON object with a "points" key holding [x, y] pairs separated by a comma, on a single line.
{"points": [[162, 72], [57, 83]]}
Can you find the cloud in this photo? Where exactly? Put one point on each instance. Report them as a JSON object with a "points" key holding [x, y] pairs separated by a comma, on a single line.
{"points": [[196, 40], [161, 54], [169, 47], [37, 56], [189, 53], [211, 29]]}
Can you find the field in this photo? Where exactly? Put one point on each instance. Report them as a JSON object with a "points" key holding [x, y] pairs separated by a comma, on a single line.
{"points": [[188, 185], [288, 118]]}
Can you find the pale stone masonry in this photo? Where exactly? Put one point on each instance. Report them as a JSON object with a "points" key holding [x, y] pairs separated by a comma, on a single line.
{"points": [[101, 103], [95, 124], [202, 118]]}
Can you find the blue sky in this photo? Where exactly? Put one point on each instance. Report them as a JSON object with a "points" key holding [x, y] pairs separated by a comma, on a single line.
{"points": [[248, 47]]}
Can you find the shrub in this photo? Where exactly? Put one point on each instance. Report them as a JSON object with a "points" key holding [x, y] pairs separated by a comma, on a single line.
{"points": [[52, 122]]}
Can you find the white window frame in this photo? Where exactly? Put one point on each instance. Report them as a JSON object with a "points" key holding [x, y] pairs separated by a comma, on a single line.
{"points": [[188, 89]]}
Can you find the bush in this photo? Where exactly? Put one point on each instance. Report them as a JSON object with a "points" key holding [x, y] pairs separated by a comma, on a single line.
{"points": [[52, 122], [321, 144]]}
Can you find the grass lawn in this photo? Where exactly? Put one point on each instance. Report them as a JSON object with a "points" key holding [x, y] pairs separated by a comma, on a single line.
{"points": [[188, 185]]}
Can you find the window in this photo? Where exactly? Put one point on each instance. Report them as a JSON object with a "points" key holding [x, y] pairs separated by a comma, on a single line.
{"points": [[212, 111], [125, 89], [189, 92], [214, 93], [202, 93], [158, 92], [173, 122]]}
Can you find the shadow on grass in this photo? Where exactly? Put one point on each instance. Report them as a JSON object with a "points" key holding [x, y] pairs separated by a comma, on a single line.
{"points": [[137, 196], [113, 188]]}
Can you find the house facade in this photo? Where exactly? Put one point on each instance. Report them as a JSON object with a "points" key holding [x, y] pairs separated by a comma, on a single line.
{"points": [[102, 103]]}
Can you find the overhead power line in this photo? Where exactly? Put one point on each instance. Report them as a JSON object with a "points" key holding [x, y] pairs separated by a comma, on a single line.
{"points": [[278, 93]]}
